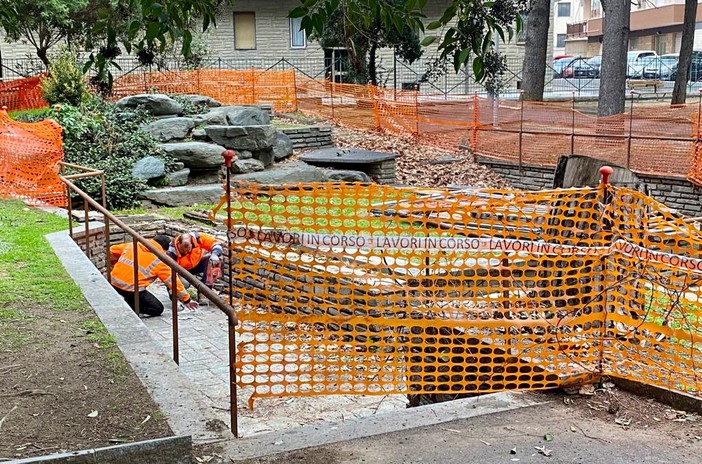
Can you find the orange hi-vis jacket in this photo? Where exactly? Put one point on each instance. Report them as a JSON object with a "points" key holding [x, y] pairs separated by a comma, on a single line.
{"points": [[202, 243], [150, 268]]}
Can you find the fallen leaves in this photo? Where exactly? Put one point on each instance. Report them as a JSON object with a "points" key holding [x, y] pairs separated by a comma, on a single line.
{"points": [[543, 450], [420, 164]]}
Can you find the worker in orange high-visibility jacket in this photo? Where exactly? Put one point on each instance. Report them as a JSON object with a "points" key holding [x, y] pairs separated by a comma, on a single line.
{"points": [[150, 268], [195, 250]]}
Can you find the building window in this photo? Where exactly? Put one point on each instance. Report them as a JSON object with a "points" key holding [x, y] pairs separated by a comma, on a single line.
{"points": [[521, 36], [298, 38], [563, 10], [560, 40], [244, 31]]}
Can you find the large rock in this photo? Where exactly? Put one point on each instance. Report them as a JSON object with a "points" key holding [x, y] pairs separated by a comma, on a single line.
{"points": [[202, 100], [215, 117], [166, 130], [148, 168], [282, 147], [264, 156], [184, 196], [251, 138], [178, 178], [154, 103], [195, 154], [242, 166], [247, 116], [296, 171], [345, 175]]}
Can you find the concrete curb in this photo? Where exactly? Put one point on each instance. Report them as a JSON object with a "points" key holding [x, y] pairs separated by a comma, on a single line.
{"points": [[187, 410], [323, 434], [170, 450]]}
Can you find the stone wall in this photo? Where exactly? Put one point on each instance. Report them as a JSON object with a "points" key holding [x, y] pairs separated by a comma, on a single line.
{"points": [[675, 192], [309, 136], [383, 172]]}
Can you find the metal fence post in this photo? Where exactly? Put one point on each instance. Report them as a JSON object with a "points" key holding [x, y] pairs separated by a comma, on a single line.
{"points": [[521, 128], [572, 126], [476, 121], [631, 120], [416, 111]]}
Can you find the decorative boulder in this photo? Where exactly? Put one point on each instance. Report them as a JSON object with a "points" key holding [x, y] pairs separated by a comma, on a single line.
{"points": [[282, 147], [155, 104], [296, 171], [178, 178], [215, 117], [346, 175], [166, 130], [242, 166], [199, 134], [148, 168], [264, 156], [252, 138], [195, 154], [244, 154], [201, 100], [247, 116]]}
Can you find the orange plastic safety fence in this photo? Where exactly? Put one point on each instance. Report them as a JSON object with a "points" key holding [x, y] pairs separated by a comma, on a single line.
{"points": [[229, 87], [375, 290], [22, 94], [29, 157]]}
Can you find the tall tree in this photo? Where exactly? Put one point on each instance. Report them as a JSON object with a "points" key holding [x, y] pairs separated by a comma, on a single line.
{"points": [[534, 65], [615, 44], [685, 56], [43, 23], [467, 26], [363, 38]]}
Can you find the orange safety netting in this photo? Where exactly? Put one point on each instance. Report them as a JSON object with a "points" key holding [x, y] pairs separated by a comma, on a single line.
{"points": [[646, 140], [230, 87], [29, 157], [22, 94], [368, 289]]}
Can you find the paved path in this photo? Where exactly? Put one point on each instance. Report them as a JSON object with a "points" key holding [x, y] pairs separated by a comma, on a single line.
{"points": [[204, 359]]}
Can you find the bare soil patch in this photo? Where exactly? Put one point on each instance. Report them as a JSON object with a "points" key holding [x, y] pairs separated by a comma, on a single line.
{"points": [[65, 386]]}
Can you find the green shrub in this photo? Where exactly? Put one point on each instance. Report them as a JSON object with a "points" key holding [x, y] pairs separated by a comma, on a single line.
{"points": [[100, 136], [189, 108], [65, 83]]}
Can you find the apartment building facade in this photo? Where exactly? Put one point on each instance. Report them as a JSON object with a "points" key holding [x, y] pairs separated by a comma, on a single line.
{"points": [[654, 25]]}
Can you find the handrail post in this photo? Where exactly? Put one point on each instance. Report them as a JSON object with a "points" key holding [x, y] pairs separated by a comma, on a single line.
{"points": [[106, 233], [228, 155], [174, 313], [86, 228]]}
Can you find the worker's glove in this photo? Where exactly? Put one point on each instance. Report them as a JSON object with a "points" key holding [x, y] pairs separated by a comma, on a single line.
{"points": [[214, 260]]}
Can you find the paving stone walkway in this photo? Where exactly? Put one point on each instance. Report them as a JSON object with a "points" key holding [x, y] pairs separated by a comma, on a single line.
{"points": [[204, 359]]}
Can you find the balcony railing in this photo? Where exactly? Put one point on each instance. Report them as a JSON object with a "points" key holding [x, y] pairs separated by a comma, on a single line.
{"points": [[576, 30]]}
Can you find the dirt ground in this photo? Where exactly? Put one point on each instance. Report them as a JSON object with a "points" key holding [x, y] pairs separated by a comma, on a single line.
{"points": [[65, 386]]}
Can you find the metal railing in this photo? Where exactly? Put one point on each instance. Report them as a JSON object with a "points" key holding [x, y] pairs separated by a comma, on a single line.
{"points": [[176, 269]]}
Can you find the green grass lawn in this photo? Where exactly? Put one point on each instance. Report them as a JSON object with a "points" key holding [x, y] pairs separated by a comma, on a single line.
{"points": [[31, 275]]}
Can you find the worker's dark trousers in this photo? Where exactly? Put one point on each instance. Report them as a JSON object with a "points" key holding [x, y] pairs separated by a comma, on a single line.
{"points": [[149, 305]]}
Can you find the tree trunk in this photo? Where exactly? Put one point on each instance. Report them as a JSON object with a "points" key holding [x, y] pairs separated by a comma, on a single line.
{"points": [[43, 54], [372, 72], [685, 57], [534, 65], [614, 47]]}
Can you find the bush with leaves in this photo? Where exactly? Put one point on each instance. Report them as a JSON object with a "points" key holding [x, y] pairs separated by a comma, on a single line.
{"points": [[65, 82], [101, 136]]}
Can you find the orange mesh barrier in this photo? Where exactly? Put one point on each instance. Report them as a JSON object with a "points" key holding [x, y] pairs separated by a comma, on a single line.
{"points": [[367, 289], [22, 94], [695, 173], [29, 157], [229, 87]]}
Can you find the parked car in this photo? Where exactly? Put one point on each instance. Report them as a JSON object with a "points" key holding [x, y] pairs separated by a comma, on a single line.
{"points": [[652, 68], [595, 62], [634, 58], [695, 72], [573, 67]]}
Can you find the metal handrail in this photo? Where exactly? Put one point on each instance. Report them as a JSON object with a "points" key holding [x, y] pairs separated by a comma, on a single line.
{"points": [[225, 307]]}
